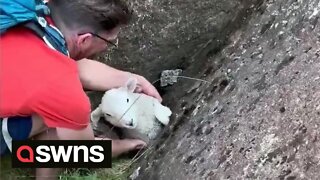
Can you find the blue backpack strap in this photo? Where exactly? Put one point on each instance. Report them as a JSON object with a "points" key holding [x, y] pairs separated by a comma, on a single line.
{"points": [[50, 34], [31, 13], [13, 12]]}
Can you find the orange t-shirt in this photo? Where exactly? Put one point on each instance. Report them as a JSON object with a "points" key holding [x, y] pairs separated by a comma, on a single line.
{"points": [[35, 79]]}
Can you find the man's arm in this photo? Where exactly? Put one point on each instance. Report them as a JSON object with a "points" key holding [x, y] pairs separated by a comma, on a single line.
{"points": [[97, 76]]}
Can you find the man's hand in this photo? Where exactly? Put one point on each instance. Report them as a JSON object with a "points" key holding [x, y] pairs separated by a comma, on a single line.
{"points": [[97, 76], [121, 146], [144, 86]]}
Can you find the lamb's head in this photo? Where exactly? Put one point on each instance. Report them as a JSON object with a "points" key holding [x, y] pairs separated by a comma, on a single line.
{"points": [[117, 105]]}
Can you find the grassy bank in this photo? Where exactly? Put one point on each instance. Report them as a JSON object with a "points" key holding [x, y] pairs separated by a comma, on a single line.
{"points": [[119, 171]]}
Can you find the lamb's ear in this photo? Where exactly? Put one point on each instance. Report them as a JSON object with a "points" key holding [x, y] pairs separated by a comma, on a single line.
{"points": [[95, 115], [162, 113], [131, 84]]}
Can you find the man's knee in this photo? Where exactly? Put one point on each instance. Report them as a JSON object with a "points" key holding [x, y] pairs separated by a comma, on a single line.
{"points": [[38, 126]]}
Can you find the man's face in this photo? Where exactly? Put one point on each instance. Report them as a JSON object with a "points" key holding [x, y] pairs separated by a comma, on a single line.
{"points": [[90, 44]]}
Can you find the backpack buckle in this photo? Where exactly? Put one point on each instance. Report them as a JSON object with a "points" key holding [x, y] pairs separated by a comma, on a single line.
{"points": [[42, 21]]}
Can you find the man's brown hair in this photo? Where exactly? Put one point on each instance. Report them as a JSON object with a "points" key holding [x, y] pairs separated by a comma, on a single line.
{"points": [[95, 15]]}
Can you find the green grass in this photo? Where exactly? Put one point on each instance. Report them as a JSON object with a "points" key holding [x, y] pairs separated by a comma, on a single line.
{"points": [[119, 171]]}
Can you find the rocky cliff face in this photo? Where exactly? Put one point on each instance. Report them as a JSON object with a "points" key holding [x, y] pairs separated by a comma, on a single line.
{"points": [[257, 117], [176, 34]]}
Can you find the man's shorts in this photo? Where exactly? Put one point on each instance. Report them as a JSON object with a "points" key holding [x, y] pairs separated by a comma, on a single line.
{"points": [[13, 128]]}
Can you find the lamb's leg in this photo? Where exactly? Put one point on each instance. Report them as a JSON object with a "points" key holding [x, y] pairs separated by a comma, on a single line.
{"points": [[162, 113], [95, 116]]}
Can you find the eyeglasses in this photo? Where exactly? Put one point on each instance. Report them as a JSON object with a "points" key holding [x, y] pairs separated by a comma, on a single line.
{"points": [[106, 40]]}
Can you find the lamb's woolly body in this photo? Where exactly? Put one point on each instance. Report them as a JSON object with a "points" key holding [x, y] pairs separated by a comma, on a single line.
{"points": [[139, 115]]}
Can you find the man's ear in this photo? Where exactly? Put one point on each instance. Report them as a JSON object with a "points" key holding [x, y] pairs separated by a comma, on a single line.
{"points": [[84, 40]]}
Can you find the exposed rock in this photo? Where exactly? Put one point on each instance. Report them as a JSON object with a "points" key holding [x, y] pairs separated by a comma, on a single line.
{"points": [[258, 117]]}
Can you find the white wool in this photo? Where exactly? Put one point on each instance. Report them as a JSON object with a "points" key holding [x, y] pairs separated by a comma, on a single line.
{"points": [[139, 115]]}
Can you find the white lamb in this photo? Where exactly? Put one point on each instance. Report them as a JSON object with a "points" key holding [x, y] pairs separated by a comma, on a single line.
{"points": [[137, 114]]}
